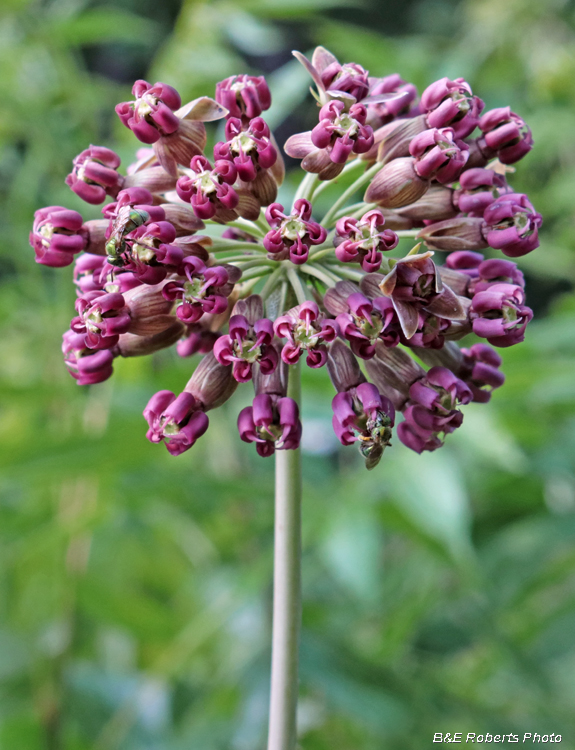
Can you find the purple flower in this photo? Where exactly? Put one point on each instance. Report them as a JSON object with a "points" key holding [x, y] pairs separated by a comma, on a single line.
{"points": [[451, 104], [149, 253], [480, 370], [87, 366], [152, 114], [178, 421], [101, 319], [87, 268], [95, 175], [209, 189], [342, 131], [57, 235], [244, 96], [249, 341], [479, 189], [306, 330], [203, 290], [362, 415], [292, 234], [496, 271], [438, 155], [361, 321], [512, 225], [465, 261], [363, 240], [272, 423], [249, 149], [198, 339], [350, 78], [432, 410], [404, 94], [505, 134], [499, 314]]}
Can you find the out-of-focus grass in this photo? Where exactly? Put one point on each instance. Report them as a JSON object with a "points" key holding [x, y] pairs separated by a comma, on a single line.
{"points": [[134, 587]]}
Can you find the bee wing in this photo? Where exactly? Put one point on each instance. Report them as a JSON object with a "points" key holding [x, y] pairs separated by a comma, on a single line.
{"points": [[372, 455]]}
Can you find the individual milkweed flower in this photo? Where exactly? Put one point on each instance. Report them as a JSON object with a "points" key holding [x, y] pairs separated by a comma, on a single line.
{"points": [[362, 321], [102, 317], [249, 341], [86, 366], [342, 131], [271, 423], [203, 289], [360, 413], [496, 271], [87, 268], [350, 78], [293, 234], [414, 285], [451, 104], [479, 189], [151, 115], [480, 370], [403, 95], [306, 330], [149, 252], [438, 155], [244, 96], [57, 235], [95, 174], [248, 149], [465, 262], [181, 420], [363, 240], [208, 189], [499, 314], [512, 225], [505, 135], [432, 411]]}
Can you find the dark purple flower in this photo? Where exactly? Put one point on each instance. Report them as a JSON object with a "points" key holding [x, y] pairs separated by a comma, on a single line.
{"points": [[479, 189], [362, 415], [203, 289], [451, 104], [249, 341], [496, 271], [272, 423], [87, 269], [505, 134], [306, 330], [149, 253], [151, 115], [512, 225], [500, 315], [244, 96], [208, 189], [438, 155], [404, 95], [350, 78], [102, 317], [342, 131], [465, 261], [249, 149], [95, 174], [480, 370], [57, 235], [87, 366], [178, 421], [292, 234], [363, 240]]}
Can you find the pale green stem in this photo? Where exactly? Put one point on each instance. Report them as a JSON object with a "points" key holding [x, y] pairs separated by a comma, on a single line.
{"points": [[408, 232], [321, 253], [297, 286], [346, 273], [243, 224], [350, 166], [271, 283], [365, 177], [287, 590], [221, 245], [306, 186], [255, 263], [255, 273], [326, 277]]}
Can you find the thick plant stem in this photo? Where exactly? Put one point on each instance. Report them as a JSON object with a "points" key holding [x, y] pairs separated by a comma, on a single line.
{"points": [[287, 591]]}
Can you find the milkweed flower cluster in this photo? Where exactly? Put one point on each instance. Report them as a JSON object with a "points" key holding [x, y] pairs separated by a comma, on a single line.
{"points": [[280, 284]]}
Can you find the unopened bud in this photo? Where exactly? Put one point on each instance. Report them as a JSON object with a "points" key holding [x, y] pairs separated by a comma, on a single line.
{"points": [[131, 345], [394, 368], [435, 205], [396, 184], [459, 233], [212, 384], [343, 367]]}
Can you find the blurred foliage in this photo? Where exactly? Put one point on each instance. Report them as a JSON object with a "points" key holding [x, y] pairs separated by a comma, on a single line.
{"points": [[134, 587]]}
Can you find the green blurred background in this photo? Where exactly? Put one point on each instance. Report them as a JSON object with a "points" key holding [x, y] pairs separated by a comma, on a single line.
{"points": [[135, 588]]}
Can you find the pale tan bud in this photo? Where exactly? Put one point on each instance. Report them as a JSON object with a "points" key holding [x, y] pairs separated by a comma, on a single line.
{"points": [[96, 229], [436, 205], [343, 367], [396, 185], [212, 383], [459, 233], [392, 140], [131, 345], [149, 311], [393, 368], [154, 179]]}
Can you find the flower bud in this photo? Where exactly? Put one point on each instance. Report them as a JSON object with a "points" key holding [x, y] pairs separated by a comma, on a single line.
{"points": [[132, 345], [392, 140], [396, 184], [459, 233], [212, 383], [435, 205]]}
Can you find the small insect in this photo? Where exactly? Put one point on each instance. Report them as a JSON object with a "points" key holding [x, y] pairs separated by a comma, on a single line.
{"points": [[128, 219], [375, 439]]}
